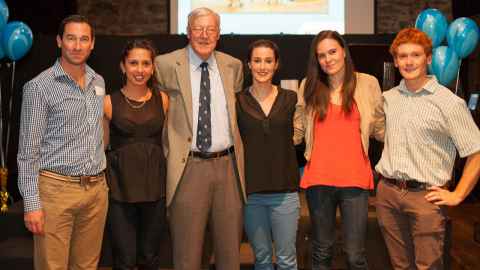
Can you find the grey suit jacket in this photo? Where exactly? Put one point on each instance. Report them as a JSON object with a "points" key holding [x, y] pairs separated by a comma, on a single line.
{"points": [[173, 74]]}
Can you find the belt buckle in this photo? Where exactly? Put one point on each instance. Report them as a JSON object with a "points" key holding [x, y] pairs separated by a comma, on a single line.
{"points": [[84, 180]]}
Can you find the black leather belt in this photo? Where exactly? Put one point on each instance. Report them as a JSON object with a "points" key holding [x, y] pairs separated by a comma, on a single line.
{"points": [[209, 155], [405, 184]]}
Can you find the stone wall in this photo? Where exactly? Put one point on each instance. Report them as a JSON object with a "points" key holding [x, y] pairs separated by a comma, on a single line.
{"points": [[126, 17], [393, 15]]}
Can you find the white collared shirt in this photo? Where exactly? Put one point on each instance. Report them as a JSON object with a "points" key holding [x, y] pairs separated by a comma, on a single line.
{"points": [[221, 133]]}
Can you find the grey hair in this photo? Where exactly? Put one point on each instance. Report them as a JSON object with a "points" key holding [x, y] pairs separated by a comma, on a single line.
{"points": [[202, 11]]}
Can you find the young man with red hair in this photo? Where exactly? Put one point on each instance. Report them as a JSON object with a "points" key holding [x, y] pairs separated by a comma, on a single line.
{"points": [[425, 126]]}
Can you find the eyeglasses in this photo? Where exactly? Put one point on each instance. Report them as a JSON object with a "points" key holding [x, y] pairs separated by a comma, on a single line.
{"points": [[208, 30]]}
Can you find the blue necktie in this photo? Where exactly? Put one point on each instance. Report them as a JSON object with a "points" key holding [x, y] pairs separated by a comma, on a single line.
{"points": [[204, 128]]}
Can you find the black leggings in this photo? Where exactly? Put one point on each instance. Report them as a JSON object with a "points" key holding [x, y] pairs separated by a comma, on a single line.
{"points": [[136, 233]]}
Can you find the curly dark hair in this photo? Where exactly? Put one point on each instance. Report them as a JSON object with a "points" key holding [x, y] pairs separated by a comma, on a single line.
{"points": [[140, 44]]}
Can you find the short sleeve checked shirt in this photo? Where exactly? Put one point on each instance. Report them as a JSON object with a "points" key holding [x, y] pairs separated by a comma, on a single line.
{"points": [[424, 131]]}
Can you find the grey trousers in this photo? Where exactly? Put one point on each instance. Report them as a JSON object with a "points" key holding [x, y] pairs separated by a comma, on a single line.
{"points": [[208, 195]]}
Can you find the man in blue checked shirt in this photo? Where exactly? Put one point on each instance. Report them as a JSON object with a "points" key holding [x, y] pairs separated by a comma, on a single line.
{"points": [[61, 159]]}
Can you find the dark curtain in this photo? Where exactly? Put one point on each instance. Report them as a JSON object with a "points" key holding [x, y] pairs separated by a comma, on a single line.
{"points": [[41, 16], [465, 8]]}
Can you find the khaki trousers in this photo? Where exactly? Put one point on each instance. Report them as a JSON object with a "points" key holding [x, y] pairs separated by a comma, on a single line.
{"points": [[74, 224], [413, 228], [208, 193]]}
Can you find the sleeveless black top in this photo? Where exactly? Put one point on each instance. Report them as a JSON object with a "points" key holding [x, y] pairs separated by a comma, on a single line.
{"points": [[136, 168]]}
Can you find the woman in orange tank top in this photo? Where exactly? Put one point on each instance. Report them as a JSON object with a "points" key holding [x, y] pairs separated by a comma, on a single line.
{"points": [[343, 109]]}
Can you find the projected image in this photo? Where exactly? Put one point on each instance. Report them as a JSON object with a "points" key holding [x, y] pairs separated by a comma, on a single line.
{"points": [[259, 6]]}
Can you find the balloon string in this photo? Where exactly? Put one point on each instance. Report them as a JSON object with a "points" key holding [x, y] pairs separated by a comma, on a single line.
{"points": [[9, 123], [458, 77]]}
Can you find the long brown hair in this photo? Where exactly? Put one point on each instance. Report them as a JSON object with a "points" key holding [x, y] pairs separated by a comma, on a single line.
{"points": [[317, 90]]}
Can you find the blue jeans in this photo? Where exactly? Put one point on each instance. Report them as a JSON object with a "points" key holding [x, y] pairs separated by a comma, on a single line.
{"points": [[322, 205], [273, 215]]}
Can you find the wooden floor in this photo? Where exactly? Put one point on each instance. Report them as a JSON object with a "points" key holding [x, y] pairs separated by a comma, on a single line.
{"points": [[16, 246], [465, 251]]}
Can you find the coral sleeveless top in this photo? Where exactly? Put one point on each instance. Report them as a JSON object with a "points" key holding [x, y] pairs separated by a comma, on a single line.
{"points": [[337, 157]]}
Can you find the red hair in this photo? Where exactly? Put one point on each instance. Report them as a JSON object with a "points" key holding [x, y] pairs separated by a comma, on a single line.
{"points": [[411, 35]]}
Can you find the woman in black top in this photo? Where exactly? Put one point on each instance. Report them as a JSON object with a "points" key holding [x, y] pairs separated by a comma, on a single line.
{"points": [[133, 125], [266, 116]]}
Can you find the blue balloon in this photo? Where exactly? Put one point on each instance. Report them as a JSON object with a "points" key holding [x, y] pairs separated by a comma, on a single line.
{"points": [[445, 64], [462, 36], [433, 23], [17, 40], [2, 53], [4, 13]]}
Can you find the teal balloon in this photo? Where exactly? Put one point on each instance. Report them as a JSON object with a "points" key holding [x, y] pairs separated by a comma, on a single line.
{"points": [[2, 53], [432, 22], [445, 64], [17, 39], [462, 36], [4, 13]]}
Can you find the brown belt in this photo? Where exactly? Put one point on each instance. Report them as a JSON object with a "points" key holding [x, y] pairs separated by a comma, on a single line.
{"points": [[82, 179], [209, 155], [408, 184]]}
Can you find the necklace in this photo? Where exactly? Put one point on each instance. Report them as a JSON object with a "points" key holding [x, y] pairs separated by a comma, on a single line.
{"points": [[270, 95], [266, 103], [133, 106]]}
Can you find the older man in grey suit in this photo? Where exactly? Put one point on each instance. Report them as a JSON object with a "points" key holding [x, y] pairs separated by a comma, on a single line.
{"points": [[205, 178]]}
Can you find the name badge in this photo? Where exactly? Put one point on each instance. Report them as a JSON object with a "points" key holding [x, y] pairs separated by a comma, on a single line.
{"points": [[99, 91]]}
